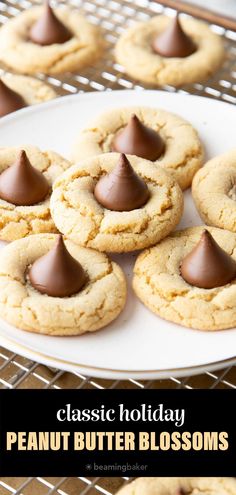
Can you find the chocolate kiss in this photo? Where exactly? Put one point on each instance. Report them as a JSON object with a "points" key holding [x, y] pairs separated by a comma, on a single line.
{"points": [[207, 265], [122, 189], [174, 42], [10, 101], [57, 273], [138, 139], [49, 29], [22, 184]]}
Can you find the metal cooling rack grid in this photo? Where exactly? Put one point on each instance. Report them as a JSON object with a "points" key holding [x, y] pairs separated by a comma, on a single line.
{"points": [[61, 486], [114, 16]]}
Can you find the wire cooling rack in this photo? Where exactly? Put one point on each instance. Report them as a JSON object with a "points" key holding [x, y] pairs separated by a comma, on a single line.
{"points": [[61, 486], [114, 16]]}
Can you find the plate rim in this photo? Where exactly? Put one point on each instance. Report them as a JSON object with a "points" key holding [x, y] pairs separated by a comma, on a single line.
{"points": [[60, 100], [106, 373]]}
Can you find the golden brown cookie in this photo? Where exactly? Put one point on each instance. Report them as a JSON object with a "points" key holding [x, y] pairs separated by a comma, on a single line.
{"points": [[98, 303], [32, 90], [135, 53], [172, 486], [79, 216], [214, 191], [20, 221], [183, 153], [158, 283], [26, 57]]}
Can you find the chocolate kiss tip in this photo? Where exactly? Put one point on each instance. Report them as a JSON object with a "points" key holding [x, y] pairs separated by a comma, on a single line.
{"points": [[57, 273], [48, 29], [10, 101], [21, 184], [122, 189], [174, 42], [208, 266], [123, 166], [22, 157], [138, 139]]}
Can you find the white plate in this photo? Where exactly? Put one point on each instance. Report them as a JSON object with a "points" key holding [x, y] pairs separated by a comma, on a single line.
{"points": [[138, 344], [80, 369]]}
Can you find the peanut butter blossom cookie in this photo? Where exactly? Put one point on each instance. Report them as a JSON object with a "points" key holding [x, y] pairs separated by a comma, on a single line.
{"points": [[18, 92], [53, 287], [43, 40], [169, 51], [180, 486], [214, 191], [116, 203], [156, 135], [26, 177], [190, 278]]}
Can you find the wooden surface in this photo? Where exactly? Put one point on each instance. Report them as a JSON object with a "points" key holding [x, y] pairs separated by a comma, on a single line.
{"points": [[200, 13]]}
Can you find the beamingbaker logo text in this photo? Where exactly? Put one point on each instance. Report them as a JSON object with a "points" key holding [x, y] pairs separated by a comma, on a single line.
{"points": [[116, 467]]}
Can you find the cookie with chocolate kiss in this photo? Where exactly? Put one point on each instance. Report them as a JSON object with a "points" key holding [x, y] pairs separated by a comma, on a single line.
{"points": [[22, 184], [208, 266], [57, 273], [49, 30], [174, 42], [10, 101], [122, 189], [140, 140]]}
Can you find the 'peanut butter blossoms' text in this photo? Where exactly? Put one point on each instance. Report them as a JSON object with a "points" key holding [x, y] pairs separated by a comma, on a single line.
{"points": [[116, 441]]}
